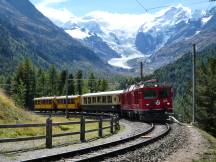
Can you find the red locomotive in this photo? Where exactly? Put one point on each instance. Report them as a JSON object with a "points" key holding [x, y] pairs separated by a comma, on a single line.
{"points": [[147, 101]]}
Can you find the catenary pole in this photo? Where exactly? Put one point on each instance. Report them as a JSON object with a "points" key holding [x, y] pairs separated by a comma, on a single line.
{"points": [[67, 115], [194, 82]]}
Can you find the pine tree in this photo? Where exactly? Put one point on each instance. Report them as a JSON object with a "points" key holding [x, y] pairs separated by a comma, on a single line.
{"points": [[52, 81], [206, 98], [99, 84], [104, 85], [41, 88], [20, 96], [92, 83], [71, 86], [79, 83], [29, 82], [23, 84], [61, 83]]}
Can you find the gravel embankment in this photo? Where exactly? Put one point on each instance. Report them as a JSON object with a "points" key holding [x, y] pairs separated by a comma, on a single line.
{"points": [[130, 129], [158, 151]]}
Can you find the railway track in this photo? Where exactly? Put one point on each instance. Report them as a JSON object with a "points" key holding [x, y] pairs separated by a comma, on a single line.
{"points": [[111, 149]]}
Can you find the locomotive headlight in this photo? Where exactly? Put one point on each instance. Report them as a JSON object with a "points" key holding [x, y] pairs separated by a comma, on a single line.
{"points": [[147, 104], [168, 103]]}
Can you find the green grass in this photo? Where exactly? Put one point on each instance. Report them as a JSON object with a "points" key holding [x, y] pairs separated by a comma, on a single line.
{"points": [[11, 114], [210, 156]]}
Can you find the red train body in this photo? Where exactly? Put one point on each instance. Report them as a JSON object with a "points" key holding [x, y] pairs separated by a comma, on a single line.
{"points": [[146, 101]]}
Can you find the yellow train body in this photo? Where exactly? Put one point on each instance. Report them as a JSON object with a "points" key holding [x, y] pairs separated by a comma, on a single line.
{"points": [[57, 103]]}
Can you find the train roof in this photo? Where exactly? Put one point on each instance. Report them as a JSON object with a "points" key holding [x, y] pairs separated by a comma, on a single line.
{"points": [[62, 97], [102, 93], [44, 98], [57, 97], [141, 86]]}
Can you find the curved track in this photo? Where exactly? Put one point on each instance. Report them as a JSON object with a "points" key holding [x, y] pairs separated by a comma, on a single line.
{"points": [[111, 149], [157, 132]]}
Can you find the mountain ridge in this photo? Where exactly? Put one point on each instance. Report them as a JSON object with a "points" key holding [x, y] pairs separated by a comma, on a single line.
{"points": [[166, 27], [36, 37]]}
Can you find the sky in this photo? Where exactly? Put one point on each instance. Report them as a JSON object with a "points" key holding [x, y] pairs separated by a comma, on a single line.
{"points": [[81, 7], [62, 10]]}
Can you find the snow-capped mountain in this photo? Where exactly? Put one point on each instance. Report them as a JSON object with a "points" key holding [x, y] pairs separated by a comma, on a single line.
{"points": [[155, 33], [111, 35], [120, 38]]}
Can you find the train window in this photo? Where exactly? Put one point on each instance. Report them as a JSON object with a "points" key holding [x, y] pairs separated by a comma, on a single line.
{"points": [[164, 93], [150, 94], [103, 99], [73, 101], [85, 100], [115, 99], [89, 100], [109, 99], [93, 99], [98, 99]]}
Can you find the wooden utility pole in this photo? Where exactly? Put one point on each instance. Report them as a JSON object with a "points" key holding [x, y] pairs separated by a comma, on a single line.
{"points": [[194, 81]]}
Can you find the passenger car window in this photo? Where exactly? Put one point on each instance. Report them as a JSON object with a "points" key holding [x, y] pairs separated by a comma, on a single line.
{"points": [[150, 94], [98, 99], [104, 99], [109, 99], [85, 100], [93, 99], [89, 100]]}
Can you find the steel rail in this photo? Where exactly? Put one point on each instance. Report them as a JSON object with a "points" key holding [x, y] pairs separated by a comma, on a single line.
{"points": [[113, 153], [90, 149]]}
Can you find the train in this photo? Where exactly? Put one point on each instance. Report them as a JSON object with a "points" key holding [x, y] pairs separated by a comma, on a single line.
{"points": [[143, 101]]}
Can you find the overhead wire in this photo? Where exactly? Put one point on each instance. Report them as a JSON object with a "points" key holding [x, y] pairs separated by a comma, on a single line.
{"points": [[164, 6]]}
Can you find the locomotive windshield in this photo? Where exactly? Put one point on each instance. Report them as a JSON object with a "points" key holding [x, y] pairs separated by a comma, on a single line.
{"points": [[150, 94], [164, 93]]}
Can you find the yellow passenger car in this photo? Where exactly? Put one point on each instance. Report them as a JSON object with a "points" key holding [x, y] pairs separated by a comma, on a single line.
{"points": [[44, 103], [57, 103], [73, 102]]}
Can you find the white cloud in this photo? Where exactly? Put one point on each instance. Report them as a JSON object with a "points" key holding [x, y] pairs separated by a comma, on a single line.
{"points": [[59, 16], [49, 2], [116, 21]]}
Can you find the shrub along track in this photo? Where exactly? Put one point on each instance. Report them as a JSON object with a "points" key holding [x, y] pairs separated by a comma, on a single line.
{"points": [[110, 149]]}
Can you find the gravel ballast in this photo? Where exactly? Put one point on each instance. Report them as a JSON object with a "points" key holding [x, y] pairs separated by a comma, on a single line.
{"points": [[158, 151]]}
